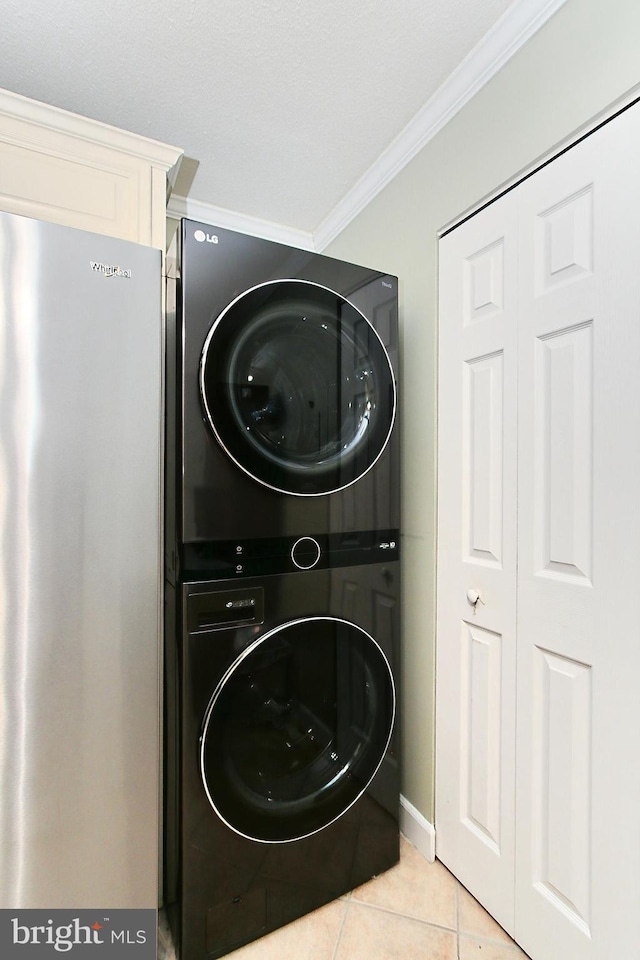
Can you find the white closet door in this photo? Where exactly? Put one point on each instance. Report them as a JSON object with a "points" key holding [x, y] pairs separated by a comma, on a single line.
{"points": [[578, 642], [541, 291], [476, 680]]}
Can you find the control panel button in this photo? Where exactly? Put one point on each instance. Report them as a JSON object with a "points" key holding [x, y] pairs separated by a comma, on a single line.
{"points": [[305, 553]]}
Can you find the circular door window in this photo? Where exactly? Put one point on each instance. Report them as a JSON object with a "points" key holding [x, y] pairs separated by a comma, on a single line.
{"points": [[297, 387], [296, 729]]}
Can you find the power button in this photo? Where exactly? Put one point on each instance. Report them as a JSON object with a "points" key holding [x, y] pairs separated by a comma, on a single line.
{"points": [[305, 553]]}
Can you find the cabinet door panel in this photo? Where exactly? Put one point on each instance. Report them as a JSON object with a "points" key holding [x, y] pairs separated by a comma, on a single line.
{"points": [[63, 168]]}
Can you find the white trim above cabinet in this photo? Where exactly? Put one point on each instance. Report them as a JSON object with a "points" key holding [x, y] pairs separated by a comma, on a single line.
{"points": [[64, 168]]}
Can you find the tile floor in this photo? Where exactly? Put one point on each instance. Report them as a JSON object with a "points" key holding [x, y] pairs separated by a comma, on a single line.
{"points": [[416, 911]]}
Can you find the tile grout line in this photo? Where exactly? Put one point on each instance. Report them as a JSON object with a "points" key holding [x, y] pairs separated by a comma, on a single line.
{"points": [[403, 916], [339, 937], [489, 941], [479, 937]]}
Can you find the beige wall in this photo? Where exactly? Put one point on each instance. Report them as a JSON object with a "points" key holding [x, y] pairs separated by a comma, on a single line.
{"points": [[586, 57]]}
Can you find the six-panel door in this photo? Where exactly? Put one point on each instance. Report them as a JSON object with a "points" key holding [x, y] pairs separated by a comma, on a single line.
{"points": [[538, 712]]}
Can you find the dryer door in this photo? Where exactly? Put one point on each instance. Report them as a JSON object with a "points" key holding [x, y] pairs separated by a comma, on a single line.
{"points": [[297, 387], [297, 728]]}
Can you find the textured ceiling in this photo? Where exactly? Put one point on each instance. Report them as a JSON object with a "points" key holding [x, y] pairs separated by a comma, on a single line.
{"points": [[284, 104]]}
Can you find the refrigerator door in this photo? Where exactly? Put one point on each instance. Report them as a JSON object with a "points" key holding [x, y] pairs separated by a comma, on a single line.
{"points": [[80, 425]]}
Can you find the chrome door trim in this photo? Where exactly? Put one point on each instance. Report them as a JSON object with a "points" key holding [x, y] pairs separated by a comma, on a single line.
{"points": [[203, 392], [231, 670]]}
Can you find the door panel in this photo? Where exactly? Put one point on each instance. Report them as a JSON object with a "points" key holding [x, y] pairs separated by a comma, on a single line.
{"points": [[297, 387], [561, 761], [578, 657], [482, 458], [563, 427], [297, 728], [475, 724], [541, 290], [481, 736]]}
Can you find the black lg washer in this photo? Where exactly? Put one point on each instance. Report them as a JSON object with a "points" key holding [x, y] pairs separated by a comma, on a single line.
{"points": [[282, 748], [282, 404], [282, 590]]}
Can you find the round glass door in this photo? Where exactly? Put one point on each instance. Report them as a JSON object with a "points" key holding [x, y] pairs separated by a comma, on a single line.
{"points": [[296, 729], [298, 387]]}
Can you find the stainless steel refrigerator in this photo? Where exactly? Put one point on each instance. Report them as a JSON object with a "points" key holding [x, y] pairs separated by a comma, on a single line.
{"points": [[80, 428]]}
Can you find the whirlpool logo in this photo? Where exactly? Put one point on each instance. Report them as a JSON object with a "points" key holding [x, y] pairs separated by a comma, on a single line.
{"points": [[58, 931], [110, 270]]}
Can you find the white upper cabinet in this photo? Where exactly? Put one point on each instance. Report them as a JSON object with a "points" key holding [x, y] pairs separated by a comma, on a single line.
{"points": [[58, 166]]}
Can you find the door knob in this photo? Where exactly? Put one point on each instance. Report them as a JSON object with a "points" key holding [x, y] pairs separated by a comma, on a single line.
{"points": [[474, 598]]}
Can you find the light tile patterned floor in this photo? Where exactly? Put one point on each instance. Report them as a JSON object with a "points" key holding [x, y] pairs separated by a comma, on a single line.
{"points": [[416, 911]]}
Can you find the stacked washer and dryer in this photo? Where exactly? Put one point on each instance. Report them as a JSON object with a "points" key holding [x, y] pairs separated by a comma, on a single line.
{"points": [[282, 592]]}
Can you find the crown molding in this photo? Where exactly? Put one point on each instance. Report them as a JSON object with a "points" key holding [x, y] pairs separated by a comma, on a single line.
{"points": [[516, 26], [42, 117], [231, 220]]}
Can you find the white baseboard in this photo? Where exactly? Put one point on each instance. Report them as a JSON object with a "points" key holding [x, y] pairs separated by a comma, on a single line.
{"points": [[417, 829]]}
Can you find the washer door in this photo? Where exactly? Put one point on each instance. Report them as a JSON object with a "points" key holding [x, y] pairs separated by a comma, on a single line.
{"points": [[298, 387], [296, 729]]}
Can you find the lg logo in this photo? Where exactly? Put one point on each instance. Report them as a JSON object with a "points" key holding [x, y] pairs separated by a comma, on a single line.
{"points": [[201, 237]]}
